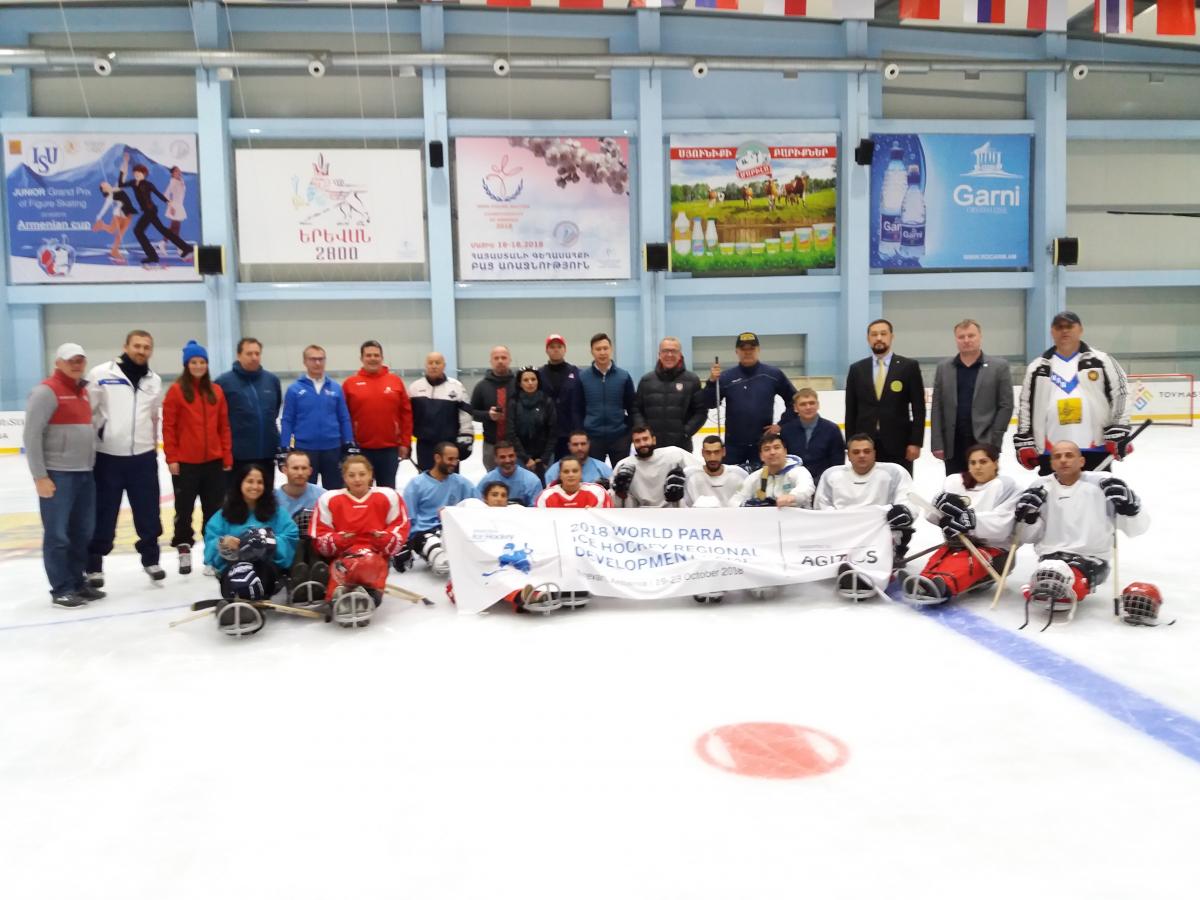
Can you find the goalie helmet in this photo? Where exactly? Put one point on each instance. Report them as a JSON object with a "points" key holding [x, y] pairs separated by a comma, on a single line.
{"points": [[303, 518], [1140, 602]]}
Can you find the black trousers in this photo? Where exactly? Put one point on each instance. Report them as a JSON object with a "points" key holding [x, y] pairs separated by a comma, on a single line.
{"points": [[205, 481], [136, 476], [145, 220], [385, 462], [614, 448]]}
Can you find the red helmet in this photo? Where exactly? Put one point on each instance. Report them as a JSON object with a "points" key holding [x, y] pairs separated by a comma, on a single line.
{"points": [[1140, 602]]}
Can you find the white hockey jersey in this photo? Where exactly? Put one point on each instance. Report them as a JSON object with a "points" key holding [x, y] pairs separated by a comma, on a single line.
{"points": [[887, 484], [1079, 519], [649, 475], [792, 479], [723, 488], [993, 504]]}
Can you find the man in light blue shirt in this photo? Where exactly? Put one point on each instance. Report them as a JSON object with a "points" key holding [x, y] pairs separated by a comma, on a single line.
{"points": [[523, 485], [298, 493], [426, 496], [596, 471]]}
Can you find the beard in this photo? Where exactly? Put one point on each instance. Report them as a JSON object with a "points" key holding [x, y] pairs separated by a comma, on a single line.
{"points": [[713, 467], [446, 468], [644, 452], [879, 347]]}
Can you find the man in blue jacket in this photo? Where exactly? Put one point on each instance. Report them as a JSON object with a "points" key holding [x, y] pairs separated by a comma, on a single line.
{"points": [[254, 397], [817, 441], [315, 419], [749, 390], [608, 401]]}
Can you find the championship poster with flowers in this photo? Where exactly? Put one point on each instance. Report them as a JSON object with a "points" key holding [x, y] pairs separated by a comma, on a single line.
{"points": [[544, 208], [753, 204], [85, 208]]}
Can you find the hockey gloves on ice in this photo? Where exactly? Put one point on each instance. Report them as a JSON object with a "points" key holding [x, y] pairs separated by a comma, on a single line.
{"points": [[1123, 500], [1029, 505]]}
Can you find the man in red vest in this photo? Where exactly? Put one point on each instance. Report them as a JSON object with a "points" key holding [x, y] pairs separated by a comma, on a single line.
{"points": [[60, 445]]}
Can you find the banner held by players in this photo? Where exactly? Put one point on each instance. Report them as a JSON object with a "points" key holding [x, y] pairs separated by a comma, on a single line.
{"points": [[655, 553]]}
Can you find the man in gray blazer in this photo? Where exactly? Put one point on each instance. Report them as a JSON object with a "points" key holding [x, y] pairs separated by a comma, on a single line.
{"points": [[972, 399]]}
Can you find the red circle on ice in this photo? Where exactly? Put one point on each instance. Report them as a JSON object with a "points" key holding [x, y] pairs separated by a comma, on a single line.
{"points": [[771, 750]]}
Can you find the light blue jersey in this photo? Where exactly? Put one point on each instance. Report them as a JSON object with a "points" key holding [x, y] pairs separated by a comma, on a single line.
{"points": [[523, 485], [292, 505], [425, 496], [593, 470]]}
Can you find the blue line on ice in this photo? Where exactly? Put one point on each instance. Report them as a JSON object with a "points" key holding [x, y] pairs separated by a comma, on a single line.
{"points": [[135, 612]]}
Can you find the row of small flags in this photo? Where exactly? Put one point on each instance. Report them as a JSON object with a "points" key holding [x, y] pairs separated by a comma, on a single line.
{"points": [[1175, 17]]}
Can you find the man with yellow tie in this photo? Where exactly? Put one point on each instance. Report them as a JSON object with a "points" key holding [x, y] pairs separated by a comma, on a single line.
{"points": [[885, 398]]}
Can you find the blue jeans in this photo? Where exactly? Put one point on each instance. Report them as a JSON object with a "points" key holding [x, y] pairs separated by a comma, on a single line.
{"points": [[68, 519]]}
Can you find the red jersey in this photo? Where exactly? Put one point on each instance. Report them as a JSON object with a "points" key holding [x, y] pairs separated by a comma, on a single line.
{"points": [[588, 496], [338, 513], [380, 411]]}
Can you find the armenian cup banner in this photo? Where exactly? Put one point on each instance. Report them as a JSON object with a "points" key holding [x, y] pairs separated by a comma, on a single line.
{"points": [[648, 554]]}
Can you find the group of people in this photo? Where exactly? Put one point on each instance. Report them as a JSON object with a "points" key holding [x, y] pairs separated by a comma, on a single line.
{"points": [[555, 436]]}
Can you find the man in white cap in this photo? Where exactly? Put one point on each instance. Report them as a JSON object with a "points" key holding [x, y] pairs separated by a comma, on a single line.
{"points": [[60, 446]]}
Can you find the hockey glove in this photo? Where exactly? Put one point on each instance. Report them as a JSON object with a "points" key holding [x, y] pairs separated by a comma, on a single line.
{"points": [[755, 501], [350, 449], [622, 479], [256, 544], [899, 516], [281, 458], [960, 522], [1029, 505], [466, 445], [951, 504], [604, 482], [1116, 441], [674, 484], [403, 561], [1027, 453], [1123, 500], [242, 581]]}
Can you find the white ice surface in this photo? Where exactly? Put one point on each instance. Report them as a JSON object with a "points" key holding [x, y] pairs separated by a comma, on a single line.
{"points": [[433, 755]]}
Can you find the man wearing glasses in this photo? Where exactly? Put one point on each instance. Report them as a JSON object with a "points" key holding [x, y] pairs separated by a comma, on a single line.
{"points": [[315, 419], [669, 399]]}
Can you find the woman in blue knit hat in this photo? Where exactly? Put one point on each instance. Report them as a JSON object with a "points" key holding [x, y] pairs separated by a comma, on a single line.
{"points": [[198, 447]]}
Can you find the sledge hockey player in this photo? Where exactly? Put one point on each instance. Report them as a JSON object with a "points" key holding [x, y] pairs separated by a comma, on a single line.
{"points": [[864, 482], [359, 528], [425, 496], [1071, 518], [716, 480], [298, 497], [979, 504], [782, 480], [651, 476], [247, 544], [571, 491]]}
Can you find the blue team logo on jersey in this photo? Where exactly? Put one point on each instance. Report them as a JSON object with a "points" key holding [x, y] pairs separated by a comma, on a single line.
{"points": [[513, 558], [1065, 386]]}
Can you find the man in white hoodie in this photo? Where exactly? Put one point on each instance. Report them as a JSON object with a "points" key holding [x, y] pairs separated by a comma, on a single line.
{"points": [[126, 398], [651, 476], [782, 480]]}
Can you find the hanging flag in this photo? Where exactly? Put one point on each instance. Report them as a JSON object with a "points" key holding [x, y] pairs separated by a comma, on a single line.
{"points": [[785, 7], [1047, 15], [984, 11], [716, 4], [920, 9], [1176, 17], [1112, 17]]}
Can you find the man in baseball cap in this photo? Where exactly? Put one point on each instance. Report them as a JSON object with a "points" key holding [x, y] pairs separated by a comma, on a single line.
{"points": [[749, 390], [560, 382]]}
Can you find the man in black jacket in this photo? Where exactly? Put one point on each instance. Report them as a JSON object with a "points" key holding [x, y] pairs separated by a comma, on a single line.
{"points": [[885, 398], [489, 403], [560, 382], [145, 193], [670, 399]]}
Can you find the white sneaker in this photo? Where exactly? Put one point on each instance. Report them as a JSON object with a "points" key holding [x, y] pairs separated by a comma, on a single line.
{"points": [[156, 572]]}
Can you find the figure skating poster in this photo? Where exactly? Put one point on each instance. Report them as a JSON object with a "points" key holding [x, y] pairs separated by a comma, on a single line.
{"points": [[950, 201], [543, 208], [330, 206], [85, 208]]}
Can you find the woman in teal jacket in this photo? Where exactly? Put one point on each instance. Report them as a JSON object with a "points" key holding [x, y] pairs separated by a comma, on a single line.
{"points": [[251, 539]]}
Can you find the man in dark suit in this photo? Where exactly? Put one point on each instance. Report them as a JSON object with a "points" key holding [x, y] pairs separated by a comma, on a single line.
{"points": [[972, 399], [885, 398]]}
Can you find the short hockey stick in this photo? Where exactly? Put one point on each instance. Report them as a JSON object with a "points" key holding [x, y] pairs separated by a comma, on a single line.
{"points": [[967, 542], [192, 618], [410, 596]]}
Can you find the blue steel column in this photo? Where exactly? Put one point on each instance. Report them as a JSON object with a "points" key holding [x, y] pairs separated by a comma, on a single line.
{"points": [[21, 363], [1047, 102], [854, 205], [651, 192], [437, 192], [222, 321]]}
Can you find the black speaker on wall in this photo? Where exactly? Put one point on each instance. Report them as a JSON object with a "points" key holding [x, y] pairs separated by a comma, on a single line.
{"points": [[1065, 251], [864, 152], [437, 155], [209, 260], [657, 257]]}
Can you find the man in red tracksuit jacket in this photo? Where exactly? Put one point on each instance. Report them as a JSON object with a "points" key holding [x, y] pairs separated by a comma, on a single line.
{"points": [[380, 414]]}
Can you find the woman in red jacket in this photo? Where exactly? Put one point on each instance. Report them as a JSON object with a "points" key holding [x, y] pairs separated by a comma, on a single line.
{"points": [[198, 447]]}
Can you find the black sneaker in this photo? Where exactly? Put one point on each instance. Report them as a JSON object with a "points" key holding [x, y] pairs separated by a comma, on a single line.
{"points": [[87, 592], [185, 559], [95, 579], [69, 601]]}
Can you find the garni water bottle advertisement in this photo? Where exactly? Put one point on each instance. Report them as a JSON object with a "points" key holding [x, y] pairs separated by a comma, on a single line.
{"points": [[950, 201]]}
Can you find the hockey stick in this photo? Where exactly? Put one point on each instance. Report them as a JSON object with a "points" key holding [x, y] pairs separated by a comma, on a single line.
{"points": [[410, 596], [290, 610], [1116, 570], [967, 542], [924, 552], [717, 361], [1012, 553], [192, 618]]}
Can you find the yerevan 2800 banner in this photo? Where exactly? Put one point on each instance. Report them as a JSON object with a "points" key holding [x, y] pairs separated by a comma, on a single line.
{"points": [[101, 207], [542, 208], [753, 204]]}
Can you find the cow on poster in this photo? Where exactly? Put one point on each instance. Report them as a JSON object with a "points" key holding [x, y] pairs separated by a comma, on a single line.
{"points": [[648, 554], [542, 208], [74, 216], [330, 206]]}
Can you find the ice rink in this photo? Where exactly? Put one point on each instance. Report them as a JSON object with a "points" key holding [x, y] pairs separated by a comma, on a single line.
{"points": [[434, 755]]}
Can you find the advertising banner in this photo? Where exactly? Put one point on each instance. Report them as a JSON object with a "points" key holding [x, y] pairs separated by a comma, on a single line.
{"points": [[753, 204], [542, 208], [950, 201], [330, 206], [101, 207], [645, 554]]}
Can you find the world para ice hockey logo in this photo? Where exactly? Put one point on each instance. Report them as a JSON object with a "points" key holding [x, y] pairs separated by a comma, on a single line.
{"points": [[512, 558]]}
